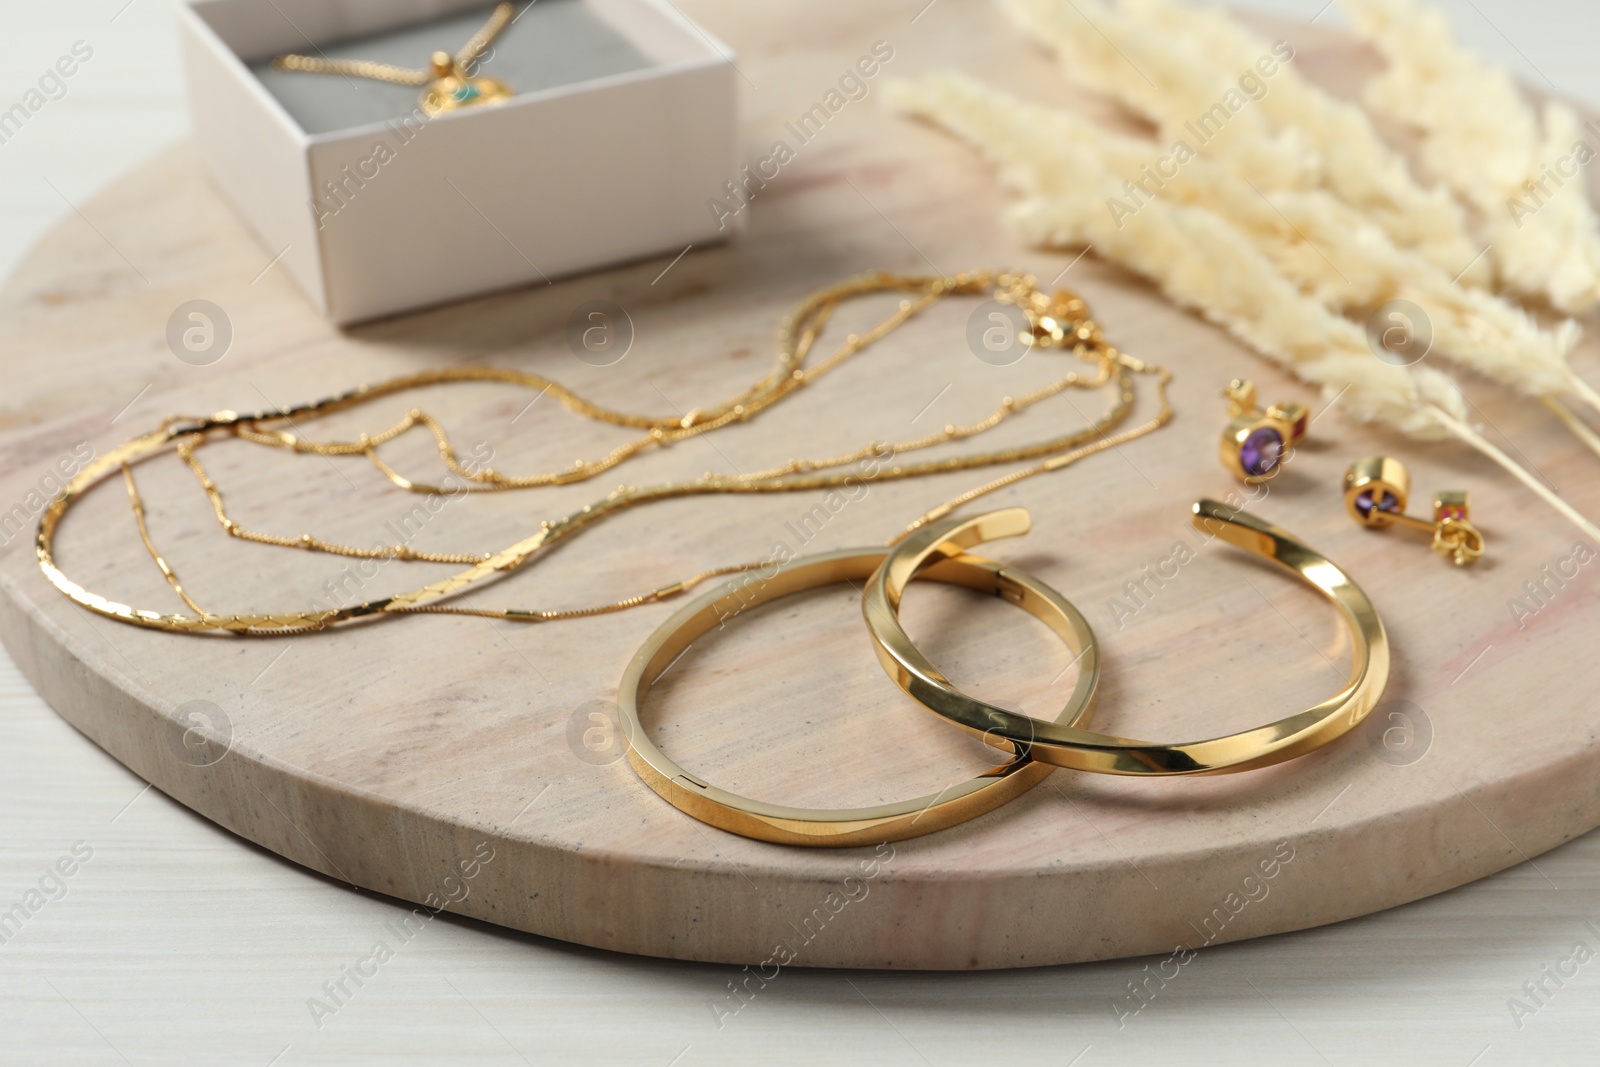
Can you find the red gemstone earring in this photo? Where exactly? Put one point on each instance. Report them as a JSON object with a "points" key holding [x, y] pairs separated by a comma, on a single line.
{"points": [[1254, 444], [1376, 491]]}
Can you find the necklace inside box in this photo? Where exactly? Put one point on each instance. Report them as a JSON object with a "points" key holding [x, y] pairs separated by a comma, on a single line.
{"points": [[547, 44]]}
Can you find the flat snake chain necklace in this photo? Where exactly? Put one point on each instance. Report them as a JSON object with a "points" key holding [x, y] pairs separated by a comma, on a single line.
{"points": [[1057, 321]]}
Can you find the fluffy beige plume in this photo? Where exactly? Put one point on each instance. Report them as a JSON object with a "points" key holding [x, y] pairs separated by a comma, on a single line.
{"points": [[1314, 239], [1199, 259], [1482, 138], [1163, 81], [1184, 70], [1476, 329]]}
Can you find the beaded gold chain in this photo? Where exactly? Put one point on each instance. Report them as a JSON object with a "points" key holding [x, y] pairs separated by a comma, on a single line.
{"points": [[1058, 321]]}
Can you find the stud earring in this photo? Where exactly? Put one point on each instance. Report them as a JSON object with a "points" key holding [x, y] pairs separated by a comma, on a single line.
{"points": [[1377, 490], [1255, 442]]}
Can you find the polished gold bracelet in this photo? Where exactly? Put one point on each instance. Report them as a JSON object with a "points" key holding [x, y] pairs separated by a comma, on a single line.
{"points": [[1069, 746], [857, 826]]}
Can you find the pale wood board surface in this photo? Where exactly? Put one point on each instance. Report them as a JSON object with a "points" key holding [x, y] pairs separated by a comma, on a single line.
{"points": [[1196, 401]]}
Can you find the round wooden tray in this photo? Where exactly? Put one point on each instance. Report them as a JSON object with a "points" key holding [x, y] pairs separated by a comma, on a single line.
{"points": [[466, 763]]}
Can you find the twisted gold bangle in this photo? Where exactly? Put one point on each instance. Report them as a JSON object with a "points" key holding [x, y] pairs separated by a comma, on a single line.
{"points": [[1068, 746], [858, 826]]}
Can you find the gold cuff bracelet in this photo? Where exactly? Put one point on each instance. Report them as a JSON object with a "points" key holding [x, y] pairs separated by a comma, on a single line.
{"points": [[858, 826], [1068, 746]]}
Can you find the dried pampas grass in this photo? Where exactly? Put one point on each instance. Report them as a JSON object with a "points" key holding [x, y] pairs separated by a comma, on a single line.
{"points": [[1482, 138], [1329, 250], [1167, 84], [1358, 166], [1212, 248], [1175, 65], [1200, 260]]}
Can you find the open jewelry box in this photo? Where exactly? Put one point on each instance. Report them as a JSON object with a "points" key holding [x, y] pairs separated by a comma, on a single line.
{"points": [[622, 130]]}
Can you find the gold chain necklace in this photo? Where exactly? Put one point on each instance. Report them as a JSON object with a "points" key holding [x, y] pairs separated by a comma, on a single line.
{"points": [[449, 84], [1060, 321]]}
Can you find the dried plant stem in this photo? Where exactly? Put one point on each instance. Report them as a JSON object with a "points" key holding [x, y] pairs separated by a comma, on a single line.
{"points": [[1583, 390], [1579, 428], [1471, 437]]}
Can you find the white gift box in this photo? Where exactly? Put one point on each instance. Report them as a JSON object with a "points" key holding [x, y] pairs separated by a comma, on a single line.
{"points": [[617, 160]]}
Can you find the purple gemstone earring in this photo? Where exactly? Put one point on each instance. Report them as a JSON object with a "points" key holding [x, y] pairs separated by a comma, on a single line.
{"points": [[1255, 444], [1376, 491]]}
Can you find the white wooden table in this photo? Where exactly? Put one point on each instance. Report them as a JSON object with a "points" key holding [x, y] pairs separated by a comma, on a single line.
{"points": [[175, 942]]}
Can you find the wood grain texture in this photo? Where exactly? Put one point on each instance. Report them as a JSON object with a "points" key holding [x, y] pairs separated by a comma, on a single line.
{"points": [[383, 755]]}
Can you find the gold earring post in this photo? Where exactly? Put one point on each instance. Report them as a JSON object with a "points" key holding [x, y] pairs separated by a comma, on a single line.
{"points": [[1377, 491], [1255, 443]]}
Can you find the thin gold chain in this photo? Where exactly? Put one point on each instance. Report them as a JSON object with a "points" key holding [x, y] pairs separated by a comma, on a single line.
{"points": [[388, 72], [1060, 321]]}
